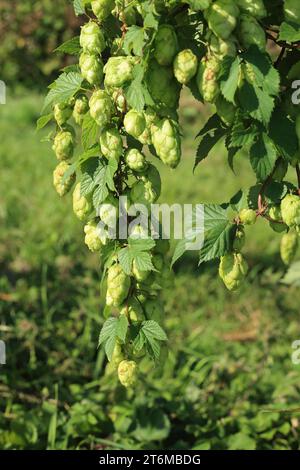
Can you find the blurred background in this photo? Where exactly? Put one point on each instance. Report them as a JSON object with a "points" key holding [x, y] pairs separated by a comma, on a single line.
{"points": [[229, 382]]}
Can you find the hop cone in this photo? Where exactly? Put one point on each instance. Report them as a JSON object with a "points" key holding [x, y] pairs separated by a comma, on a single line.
{"points": [[62, 186], [82, 205], [111, 143], [92, 39], [118, 285], [166, 141], [233, 269], [288, 247], [290, 209], [91, 67], [127, 372], [101, 108], [165, 45], [185, 66], [222, 17]]}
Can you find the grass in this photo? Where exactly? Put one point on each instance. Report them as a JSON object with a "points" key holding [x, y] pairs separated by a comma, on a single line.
{"points": [[229, 382]]}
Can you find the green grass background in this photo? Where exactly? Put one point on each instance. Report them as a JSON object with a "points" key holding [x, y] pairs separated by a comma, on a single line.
{"points": [[229, 382]]}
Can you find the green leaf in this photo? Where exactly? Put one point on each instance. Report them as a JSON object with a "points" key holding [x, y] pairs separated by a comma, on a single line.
{"points": [[218, 233], [43, 121], [263, 156], [72, 47], [63, 89], [213, 123], [122, 328], [241, 441], [137, 250], [207, 144], [134, 41], [289, 32], [108, 330], [137, 93], [90, 131], [242, 135], [78, 7], [283, 133], [229, 78], [152, 328], [292, 277]]}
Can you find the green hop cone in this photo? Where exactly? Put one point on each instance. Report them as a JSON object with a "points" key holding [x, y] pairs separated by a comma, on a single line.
{"points": [[92, 39], [91, 67], [118, 71], [247, 217], [61, 184], [292, 11], [92, 236], [254, 8], [165, 45], [81, 107], [108, 211], [127, 373], [207, 78], [233, 270], [118, 285], [135, 160], [222, 17], [111, 143], [185, 66], [117, 356], [290, 209], [64, 144], [101, 108], [288, 247], [143, 192], [199, 5], [220, 48], [163, 86], [152, 174], [154, 310], [102, 8], [133, 311], [276, 223], [239, 239], [134, 123], [166, 141], [251, 33], [62, 112], [225, 110], [82, 206], [150, 118]]}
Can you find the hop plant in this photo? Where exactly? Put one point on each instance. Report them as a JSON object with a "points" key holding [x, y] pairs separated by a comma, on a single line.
{"points": [[139, 274], [220, 48], [222, 17], [82, 205], [166, 141], [239, 239], [288, 247], [199, 5], [233, 270], [101, 108], [165, 45], [118, 71], [154, 310], [225, 110], [185, 66], [133, 310], [81, 107], [64, 144], [290, 209], [134, 123], [251, 33], [118, 285], [62, 113], [150, 118], [117, 356], [92, 39], [135, 160], [247, 217], [91, 67], [292, 11], [280, 170], [207, 78], [276, 223], [163, 86], [108, 211], [111, 143], [92, 236], [143, 192], [127, 372], [62, 184], [102, 8], [254, 8]]}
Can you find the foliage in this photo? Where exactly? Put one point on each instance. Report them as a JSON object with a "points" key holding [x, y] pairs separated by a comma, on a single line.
{"points": [[133, 80], [29, 32]]}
